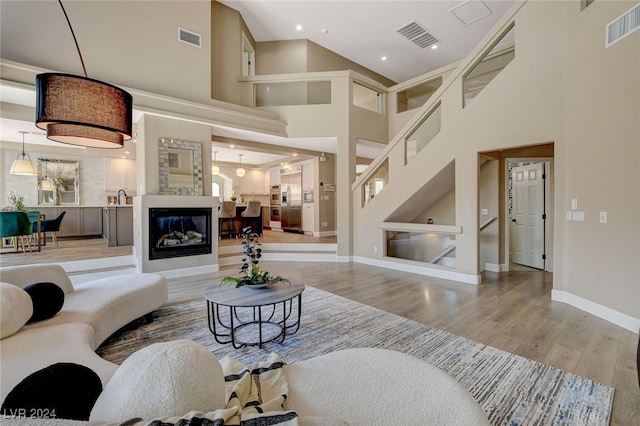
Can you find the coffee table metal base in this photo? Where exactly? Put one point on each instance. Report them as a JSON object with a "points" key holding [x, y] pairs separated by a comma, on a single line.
{"points": [[254, 326]]}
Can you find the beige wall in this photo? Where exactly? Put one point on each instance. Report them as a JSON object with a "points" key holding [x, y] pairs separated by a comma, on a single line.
{"points": [[298, 56], [227, 27], [601, 162], [321, 59], [281, 57], [115, 39]]}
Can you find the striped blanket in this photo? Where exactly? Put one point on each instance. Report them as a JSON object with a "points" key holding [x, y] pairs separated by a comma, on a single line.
{"points": [[255, 396]]}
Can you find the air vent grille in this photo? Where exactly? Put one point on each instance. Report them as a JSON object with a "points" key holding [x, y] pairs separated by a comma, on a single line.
{"points": [[189, 37], [417, 34], [624, 25]]}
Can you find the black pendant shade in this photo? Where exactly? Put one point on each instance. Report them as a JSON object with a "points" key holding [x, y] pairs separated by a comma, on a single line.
{"points": [[82, 111]]}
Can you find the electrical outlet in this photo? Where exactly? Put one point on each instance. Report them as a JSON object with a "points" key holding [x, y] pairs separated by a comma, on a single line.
{"points": [[375, 249], [484, 212]]}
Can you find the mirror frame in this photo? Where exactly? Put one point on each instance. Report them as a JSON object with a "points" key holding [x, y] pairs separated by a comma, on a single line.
{"points": [[175, 183], [48, 174]]}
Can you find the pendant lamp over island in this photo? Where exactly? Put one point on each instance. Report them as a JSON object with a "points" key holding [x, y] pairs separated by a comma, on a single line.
{"points": [[82, 111], [240, 170]]}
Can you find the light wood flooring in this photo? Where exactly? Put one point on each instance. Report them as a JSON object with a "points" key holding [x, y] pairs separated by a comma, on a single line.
{"points": [[512, 311]]}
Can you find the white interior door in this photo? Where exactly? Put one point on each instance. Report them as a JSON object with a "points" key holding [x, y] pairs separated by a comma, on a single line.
{"points": [[527, 217]]}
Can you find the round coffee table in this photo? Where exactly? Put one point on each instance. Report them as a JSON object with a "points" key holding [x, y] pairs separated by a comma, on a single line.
{"points": [[249, 317]]}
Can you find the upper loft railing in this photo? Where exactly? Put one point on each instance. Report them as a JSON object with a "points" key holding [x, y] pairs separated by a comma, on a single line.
{"points": [[485, 49]]}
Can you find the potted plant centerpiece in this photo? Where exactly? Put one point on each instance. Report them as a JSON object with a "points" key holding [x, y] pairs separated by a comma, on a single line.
{"points": [[251, 274]]}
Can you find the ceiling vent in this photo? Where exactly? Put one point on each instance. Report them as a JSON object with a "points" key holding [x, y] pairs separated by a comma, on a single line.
{"points": [[189, 37], [470, 11], [624, 25], [418, 34]]}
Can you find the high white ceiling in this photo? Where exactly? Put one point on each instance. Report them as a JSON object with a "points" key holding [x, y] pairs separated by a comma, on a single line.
{"points": [[362, 31], [365, 31]]}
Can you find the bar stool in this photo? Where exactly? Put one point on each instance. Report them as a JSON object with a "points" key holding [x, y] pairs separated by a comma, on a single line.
{"points": [[252, 216], [227, 217]]}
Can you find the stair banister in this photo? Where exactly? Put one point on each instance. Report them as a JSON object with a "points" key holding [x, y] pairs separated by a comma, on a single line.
{"points": [[476, 55]]}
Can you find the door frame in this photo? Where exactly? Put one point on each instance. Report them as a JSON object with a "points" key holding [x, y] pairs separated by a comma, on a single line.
{"points": [[549, 224]]}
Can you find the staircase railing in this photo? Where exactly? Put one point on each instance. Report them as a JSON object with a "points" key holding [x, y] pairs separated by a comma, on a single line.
{"points": [[476, 55]]}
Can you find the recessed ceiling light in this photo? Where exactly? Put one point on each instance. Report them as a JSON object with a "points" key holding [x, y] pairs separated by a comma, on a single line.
{"points": [[232, 146], [384, 58], [434, 47], [298, 27], [295, 154]]}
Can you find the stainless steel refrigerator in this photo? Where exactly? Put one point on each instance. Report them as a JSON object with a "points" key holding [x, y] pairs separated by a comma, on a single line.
{"points": [[291, 205]]}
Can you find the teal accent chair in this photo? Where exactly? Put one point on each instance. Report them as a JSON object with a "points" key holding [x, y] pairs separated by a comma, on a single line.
{"points": [[51, 225], [14, 225]]}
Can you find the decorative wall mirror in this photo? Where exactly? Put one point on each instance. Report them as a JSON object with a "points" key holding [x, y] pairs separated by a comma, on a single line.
{"points": [[180, 167], [58, 182]]}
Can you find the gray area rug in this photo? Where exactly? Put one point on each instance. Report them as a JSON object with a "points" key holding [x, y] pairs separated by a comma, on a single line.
{"points": [[511, 389]]}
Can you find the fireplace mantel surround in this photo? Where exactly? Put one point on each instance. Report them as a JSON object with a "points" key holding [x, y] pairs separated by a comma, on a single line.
{"points": [[186, 265]]}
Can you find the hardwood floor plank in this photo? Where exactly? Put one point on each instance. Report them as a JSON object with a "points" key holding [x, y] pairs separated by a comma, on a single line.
{"points": [[510, 310]]}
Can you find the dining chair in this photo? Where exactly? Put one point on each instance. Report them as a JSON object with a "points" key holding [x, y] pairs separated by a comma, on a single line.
{"points": [[50, 225], [16, 224]]}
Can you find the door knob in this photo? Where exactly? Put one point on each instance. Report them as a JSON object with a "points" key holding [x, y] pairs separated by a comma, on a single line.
{"points": [[514, 221]]}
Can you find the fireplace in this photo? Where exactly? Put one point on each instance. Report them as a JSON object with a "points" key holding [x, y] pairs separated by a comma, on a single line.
{"points": [[178, 232]]}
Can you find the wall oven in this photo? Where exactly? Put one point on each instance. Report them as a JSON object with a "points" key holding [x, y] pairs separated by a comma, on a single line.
{"points": [[275, 213], [275, 195]]}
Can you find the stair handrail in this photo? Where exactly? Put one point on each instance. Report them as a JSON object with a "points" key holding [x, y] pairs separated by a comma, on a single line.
{"points": [[489, 41]]}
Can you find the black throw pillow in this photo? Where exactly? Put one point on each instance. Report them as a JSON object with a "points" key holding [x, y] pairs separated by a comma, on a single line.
{"points": [[47, 299], [62, 390]]}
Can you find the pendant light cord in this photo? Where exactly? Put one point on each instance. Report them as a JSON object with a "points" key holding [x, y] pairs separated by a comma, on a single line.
{"points": [[74, 38], [23, 153]]}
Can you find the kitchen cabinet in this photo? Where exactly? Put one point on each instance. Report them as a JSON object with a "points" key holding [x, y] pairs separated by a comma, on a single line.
{"points": [[120, 173], [78, 221], [117, 224], [308, 178], [308, 217], [253, 182], [274, 176]]}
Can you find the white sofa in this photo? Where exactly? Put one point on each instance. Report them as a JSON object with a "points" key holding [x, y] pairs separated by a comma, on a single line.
{"points": [[355, 386], [92, 311]]}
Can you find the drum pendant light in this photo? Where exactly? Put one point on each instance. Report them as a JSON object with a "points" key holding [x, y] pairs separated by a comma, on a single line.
{"points": [[82, 111], [22, 165], [240, 170]]}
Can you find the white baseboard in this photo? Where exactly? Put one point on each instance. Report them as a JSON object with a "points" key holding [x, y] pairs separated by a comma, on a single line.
{"points": [[325, 234], [608, 314], [422, 270], [344, 259], [496, 267], [187, 272]]}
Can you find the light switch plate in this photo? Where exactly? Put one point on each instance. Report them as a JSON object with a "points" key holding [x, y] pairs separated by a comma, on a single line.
{"points": [[574, 204], [578, 216], [484, 212], [603, 217]]}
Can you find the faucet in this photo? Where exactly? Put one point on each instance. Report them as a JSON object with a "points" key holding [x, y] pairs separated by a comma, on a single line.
{"points": [[125, 196]]}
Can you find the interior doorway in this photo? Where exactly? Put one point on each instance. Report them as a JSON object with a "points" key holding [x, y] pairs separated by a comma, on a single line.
{"points": [[248, 57], [529, 214]]}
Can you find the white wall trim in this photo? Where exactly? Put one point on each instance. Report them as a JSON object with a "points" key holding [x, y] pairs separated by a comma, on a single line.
{"points": [[421, 270], [187, 272], [325, 234], [344, 259], [496, 267], [608, 314]]}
